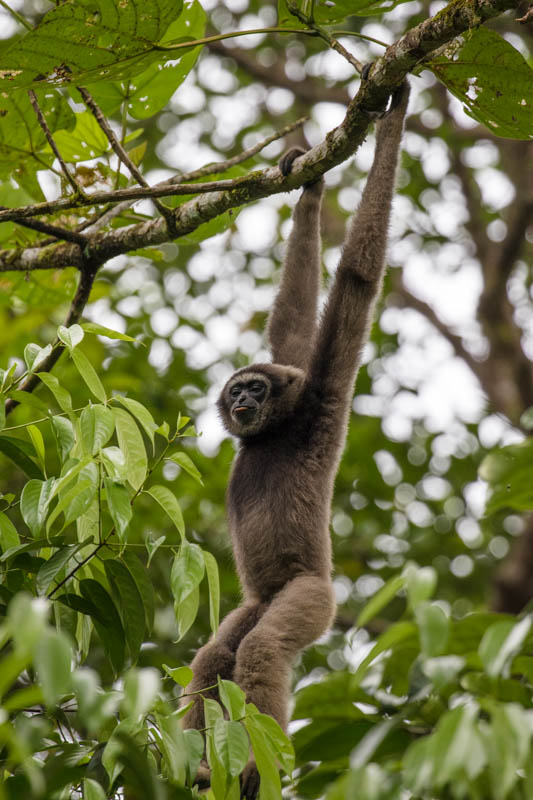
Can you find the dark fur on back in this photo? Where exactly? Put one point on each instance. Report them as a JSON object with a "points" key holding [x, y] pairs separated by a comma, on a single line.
{"points": [[280, 491]]}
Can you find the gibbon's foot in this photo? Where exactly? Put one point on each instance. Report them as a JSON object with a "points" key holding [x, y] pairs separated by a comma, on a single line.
{"points": [[286, 161], [250, 781], [203, 776], [394, 100]]}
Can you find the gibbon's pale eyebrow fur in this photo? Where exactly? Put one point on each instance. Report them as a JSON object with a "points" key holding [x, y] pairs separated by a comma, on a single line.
{"points": [[291, 438]]}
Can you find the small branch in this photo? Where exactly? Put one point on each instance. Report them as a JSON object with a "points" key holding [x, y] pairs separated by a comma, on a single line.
{"points": [[46, 130], [122, 154], [16, 15], [326, 37], [51, 230], [79, 302], [222, 166]]}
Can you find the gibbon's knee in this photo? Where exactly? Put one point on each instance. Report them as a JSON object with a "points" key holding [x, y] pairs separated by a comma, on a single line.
{"points": [[212, 660]]}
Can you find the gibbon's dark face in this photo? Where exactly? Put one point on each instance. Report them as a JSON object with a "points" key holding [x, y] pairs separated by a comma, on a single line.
{"points": [[259, 397]]}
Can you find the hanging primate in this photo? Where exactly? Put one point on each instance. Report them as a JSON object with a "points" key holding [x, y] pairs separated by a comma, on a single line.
{"points": [[291, 418]]}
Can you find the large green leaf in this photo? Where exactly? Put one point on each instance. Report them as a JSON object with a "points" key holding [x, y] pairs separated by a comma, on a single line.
{"points": [[211, 568], [53, 656], [107, 622], [231, 745], [119, 505], [187, 571], [34, 502], [55, 564], [508, 471], [89, 374], [168, 503], [96, 427], [142, 580], [93, 39], [129, 602], [131, 443], [20, 452], [492, 79]]}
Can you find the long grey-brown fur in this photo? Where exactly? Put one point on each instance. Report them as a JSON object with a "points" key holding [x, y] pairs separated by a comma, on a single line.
{"points": [[281, 486]]}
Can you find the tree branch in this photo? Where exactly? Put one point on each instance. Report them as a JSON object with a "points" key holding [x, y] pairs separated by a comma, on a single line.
{"points": [[50, 139], [401, 57]]}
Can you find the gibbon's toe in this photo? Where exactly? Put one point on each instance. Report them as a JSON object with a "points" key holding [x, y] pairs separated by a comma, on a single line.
{"points": [[250, 781], [287, 159]]}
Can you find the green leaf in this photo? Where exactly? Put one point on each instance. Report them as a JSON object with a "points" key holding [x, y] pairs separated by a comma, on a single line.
{"points": [[508, 471], [141, 414], [194, 742], [492, 79], [433, 628], [500, 643], [276, 739], [20, 452], [526, 420], [107, 623], [420, 583], [211, 568], [97, 41], [34, 355], [380, 599], [181, 675], [114, 462], [119, 505], [142, 580], [173, 747], [92, 790], [168, 503], [186, 612], [89, 375], [78, 498], [187, 571], [452, 742], [141, 687], [397, 634], [129, 603], [233, 698], [132, 445], [183, 460], [31, 400], [265, 760], [9, 537], [231, 746], [97, 424], [34, 503], [443, 670], [38, 443], [152, 547], [101, 330], [72, 336], [53, 663], [63, 431], [55, 564], [61, 395]]}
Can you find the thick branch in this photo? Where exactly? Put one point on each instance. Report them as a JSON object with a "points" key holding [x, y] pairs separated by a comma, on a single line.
{"points": [[339, 144]]}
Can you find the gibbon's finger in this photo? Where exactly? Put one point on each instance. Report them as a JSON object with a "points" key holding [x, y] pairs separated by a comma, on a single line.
{"points": [[287, 159]]}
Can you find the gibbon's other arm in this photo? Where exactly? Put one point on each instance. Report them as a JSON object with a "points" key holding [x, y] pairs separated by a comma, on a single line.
{"points": [[348, 313], [292, 322]]}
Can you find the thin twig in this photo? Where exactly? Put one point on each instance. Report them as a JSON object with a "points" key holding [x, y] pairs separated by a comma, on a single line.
{"points": [[326, 37], [122, 154], [221, 166], [52, 230], [50, 139], [16, 15]]}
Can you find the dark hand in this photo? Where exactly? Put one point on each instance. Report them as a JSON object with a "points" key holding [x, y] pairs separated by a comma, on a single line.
{"points": [[286, 161]]}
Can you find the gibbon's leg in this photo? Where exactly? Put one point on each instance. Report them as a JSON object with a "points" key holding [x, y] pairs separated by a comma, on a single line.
{"points": [[296, 616], [217, 657], [293, 319]]}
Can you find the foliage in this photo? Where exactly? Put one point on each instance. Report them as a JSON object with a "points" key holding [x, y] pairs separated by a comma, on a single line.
{"points": [[114, 564]]}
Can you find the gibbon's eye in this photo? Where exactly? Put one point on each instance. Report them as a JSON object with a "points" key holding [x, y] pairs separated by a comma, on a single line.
{"points": [[257, 388], [235, 391]]}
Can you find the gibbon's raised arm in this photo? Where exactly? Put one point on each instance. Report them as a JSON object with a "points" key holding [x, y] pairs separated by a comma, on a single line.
{"points": [[292, 324], [349, 309]]}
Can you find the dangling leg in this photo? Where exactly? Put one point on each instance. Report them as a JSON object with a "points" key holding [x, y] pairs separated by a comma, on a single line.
{"points": [[217, 657], [297, 615]]}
